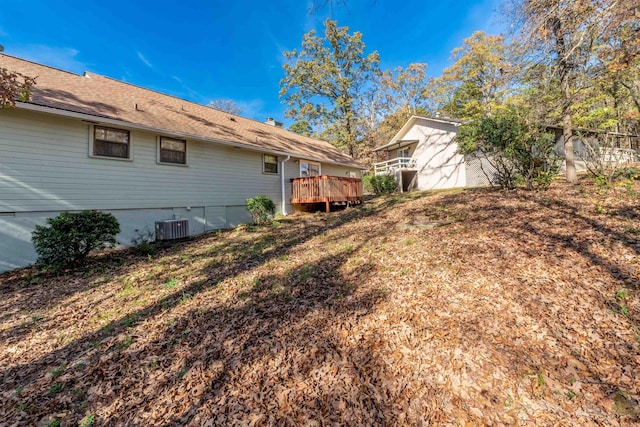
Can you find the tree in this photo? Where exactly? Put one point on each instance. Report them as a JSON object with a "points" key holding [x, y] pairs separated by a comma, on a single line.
{"points": [[323, 81], [618, 53], [512, 145], [562, 34], [301, 127], [392, 123], [226, 105], [477, 81], [14, 87], [385, 105]]}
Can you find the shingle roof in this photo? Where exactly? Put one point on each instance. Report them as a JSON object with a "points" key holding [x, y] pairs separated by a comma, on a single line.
{"points": [[105, 97]]}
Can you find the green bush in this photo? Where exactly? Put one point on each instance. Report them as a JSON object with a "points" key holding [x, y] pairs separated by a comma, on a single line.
{"points": [[518, 149], [71, 236], [262, 209], [380, 184]]}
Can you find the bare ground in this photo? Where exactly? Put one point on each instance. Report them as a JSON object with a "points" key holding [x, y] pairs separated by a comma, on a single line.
{"points": [[473, 307]]}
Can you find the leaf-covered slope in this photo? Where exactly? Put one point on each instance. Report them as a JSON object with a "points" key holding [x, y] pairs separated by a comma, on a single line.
{"points": [[474, 306]]}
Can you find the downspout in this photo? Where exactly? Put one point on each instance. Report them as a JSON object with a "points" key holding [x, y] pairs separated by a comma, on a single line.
{"points": [[284, 202]]}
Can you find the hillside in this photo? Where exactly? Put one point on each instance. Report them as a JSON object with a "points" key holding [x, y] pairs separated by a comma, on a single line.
{"points": [[465, 307]]}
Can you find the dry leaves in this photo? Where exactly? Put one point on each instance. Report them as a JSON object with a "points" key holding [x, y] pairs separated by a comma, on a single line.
{"points": [[514, 308]]}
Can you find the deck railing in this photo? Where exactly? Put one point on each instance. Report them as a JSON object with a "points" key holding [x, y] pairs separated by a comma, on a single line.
{"points": [[326, 189], [388, 166]]}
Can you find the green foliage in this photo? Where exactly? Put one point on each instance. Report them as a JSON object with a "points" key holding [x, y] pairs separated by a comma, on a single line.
{"points": [[56, 388], [14, 87], [172, 283], [56, 372], [71, 236], [323, 81], [262, 209], [301, 127], [88, 420], [476, 82], [380, 184], [621, 296], [516, 149]]}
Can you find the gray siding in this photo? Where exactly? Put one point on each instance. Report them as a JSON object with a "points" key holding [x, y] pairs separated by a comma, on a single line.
{"points": [[45, 168]]}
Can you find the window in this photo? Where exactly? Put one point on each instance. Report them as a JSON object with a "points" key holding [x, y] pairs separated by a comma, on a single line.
{"points": [[403, 152], [270, 164], [352, 174], [109, 142], [309, 169], [173, 151]]}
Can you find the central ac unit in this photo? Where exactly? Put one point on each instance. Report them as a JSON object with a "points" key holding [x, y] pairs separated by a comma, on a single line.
{"points": [[172, 229]]}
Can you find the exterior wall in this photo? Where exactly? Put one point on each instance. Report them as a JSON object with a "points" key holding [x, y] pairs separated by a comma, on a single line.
{"points": [[438, 164], [45, 169], [337, 170], [479, 172], [393, 152]]}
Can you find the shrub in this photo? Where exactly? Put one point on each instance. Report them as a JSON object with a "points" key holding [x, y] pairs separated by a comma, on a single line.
{"points": [[380, 184], [514, 146], [605, 161], [262, 209], [71, 236]]}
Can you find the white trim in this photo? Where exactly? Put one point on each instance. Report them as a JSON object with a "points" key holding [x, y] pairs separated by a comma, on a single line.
{"points": [[282, 172], [404, 150], [107, 121], [277, 164], [310, 163], [410, 123], [92, 134], [186, 152]]}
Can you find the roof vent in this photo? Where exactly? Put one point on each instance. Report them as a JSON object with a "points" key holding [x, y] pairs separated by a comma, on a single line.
{"points": [[272, 122]]}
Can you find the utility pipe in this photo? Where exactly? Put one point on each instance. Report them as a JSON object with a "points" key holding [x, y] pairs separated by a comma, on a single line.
{"points": [[284, 201]]}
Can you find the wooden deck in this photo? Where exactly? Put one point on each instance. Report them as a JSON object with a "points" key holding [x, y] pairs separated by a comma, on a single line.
{"points": [[326, 189]]}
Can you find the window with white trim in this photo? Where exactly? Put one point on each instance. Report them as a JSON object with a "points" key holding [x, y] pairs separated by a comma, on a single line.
{"points": [[269, 163], [172, 151], [309, 168], [111, 142], [403, 152]]}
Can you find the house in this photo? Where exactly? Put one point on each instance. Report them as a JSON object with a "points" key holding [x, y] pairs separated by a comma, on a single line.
{"points": [[92, 142], [423, 155]]}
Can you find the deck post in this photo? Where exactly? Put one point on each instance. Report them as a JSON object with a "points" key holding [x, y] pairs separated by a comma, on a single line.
{"points": [[327, 208]]}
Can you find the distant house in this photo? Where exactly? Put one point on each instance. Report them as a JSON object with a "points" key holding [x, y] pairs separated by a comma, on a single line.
{"points": [[423, 155], [92, 142]]}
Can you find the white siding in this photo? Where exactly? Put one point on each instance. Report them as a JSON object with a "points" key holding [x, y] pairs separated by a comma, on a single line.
{"points": [[45, 169], [439, 166]]}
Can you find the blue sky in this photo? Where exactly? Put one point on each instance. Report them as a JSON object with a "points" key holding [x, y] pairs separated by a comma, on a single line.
{"points": [[204, 50]]}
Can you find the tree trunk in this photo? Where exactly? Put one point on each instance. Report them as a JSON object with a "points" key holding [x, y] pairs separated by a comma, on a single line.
{"points": [[567, 125], [565, 69], [567, 133]]}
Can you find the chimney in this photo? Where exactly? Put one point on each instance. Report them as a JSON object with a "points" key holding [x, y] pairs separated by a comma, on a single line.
{"points": [[272, 122]]}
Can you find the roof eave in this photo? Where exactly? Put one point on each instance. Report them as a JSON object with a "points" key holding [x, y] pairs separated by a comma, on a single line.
{"points": [[107, 120], [410, 122]]}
